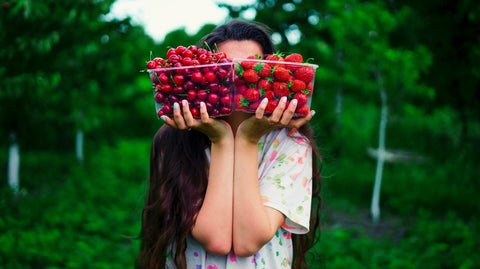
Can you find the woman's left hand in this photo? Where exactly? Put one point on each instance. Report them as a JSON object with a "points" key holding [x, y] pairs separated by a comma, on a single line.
{"points": [[260, 124]]}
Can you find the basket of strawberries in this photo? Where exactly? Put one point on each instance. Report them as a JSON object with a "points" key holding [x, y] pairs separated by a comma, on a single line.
{"points": [[273, 78], [224, 85]]}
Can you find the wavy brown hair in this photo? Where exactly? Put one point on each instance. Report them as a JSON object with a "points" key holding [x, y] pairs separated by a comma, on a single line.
{"points": [[179, 174]]}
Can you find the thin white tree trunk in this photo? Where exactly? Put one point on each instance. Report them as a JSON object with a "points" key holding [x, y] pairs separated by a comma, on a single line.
{"points": [[14, 166], [339, 94], [375, 205], [79, 145]]}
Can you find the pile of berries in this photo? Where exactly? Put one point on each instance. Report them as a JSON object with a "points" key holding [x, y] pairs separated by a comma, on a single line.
{"points": [[195, 74], [201, 75], [273, 78]]}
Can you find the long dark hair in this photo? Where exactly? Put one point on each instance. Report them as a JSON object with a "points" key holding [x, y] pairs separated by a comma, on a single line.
{"points": [[179, 175]]}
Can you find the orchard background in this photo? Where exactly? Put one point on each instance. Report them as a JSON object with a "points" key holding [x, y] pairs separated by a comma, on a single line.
{"points": [[397, 97]]}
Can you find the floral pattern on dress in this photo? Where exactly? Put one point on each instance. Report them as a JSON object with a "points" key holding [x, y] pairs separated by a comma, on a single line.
{"points": [[285, 172]]}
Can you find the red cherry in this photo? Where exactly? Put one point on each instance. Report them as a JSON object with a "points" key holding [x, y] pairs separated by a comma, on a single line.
{"points": [[195, 112], [187, 61], [187, 53], [197, 76], [163, 78], [180, 49], [202, 95], [213, 98], [227, 99], [191, 95], [203, 59], [178, 79], [210, 76], [225, 110], [178, 90], [167, 109], [159, 98], [223, 91], [151, 64], [166, 88], [174, 58], [170, 52], [193, 48]]}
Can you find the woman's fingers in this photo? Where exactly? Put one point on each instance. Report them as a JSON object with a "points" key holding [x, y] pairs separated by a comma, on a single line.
{"points": [[289, 112], [187, 114], [278, 111], [178, 117], [259, 112], [204, 117]]}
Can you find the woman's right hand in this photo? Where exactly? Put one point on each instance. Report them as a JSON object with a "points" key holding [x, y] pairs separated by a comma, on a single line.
{"points": [[216, 130]]}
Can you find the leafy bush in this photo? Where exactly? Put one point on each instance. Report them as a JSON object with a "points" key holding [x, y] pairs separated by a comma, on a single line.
{"points": [[88, 219]]}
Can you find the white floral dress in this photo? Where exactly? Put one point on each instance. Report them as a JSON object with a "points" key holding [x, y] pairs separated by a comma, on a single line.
{"points": [[285, 178]]}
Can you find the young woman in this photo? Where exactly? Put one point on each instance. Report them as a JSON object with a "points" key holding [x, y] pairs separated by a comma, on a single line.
{"points": [[236, 191]]}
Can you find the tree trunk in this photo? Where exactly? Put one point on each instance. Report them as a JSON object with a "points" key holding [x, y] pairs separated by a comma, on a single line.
{"points": [[14, 166], [79, 145], [375, 206]]}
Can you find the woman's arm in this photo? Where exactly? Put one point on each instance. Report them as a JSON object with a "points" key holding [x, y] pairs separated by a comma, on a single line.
{"points": [[254, 224], [213, 224]]}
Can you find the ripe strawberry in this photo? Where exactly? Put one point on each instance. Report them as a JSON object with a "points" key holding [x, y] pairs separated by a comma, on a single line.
{"points": [[305, 73], [281, 74], [253, 106], [269, 95], [250, 76], [303, 111], [294, 58], [272, 104], [252, 94], [280, 89], [297, 85], [264, 84], [275, 57], [263, 69], [242, 88], [301, 98], [246, 64], [241, 102], [309, 88]]}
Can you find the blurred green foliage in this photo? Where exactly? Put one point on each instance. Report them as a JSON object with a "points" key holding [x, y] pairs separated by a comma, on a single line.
{"points": [[64, 67]]}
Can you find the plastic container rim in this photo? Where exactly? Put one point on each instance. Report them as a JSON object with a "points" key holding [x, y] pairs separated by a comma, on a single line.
{"points": [[276, 62], [188, 66]]}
